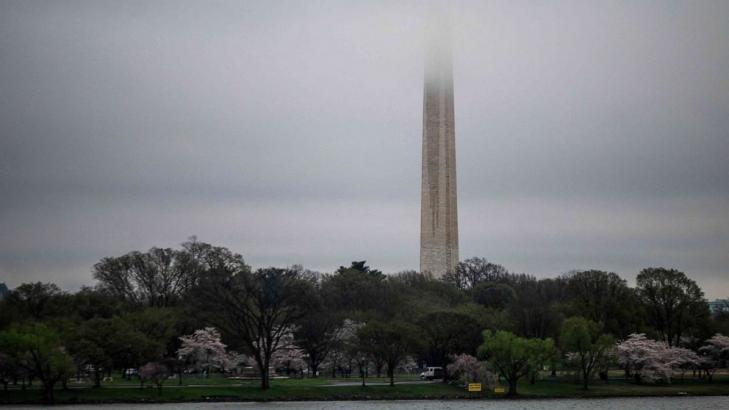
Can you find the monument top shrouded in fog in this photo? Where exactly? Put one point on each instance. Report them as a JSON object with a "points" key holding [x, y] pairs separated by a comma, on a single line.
{"points": [[439, 206]]}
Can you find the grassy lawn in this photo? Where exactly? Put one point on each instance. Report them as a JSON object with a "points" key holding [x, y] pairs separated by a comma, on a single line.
{"points": [[320, 389], [279, 391], [618, 387], [218, 379]]}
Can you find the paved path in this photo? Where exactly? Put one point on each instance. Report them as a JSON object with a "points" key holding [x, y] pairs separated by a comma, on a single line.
{"points": [[359, 383]]}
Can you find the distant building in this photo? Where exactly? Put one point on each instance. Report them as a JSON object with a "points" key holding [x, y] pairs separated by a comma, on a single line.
{"points": [[3, 291], [719, 306]]}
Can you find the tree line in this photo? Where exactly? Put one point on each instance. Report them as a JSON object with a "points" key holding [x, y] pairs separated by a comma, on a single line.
{"points": [[202, 308]]}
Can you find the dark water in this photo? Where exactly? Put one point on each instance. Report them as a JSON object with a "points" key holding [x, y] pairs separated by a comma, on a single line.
{"points": [[652, 403]]}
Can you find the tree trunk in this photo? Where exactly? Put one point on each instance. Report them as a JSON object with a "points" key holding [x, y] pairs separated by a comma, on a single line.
{"points": [[512, 388], [97, 377], [48, 393], [314, 369], [363, 372], [265, 383], [391, 374]]}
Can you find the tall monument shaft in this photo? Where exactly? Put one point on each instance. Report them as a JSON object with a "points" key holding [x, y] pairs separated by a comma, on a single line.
{"points": [[438, 208]]}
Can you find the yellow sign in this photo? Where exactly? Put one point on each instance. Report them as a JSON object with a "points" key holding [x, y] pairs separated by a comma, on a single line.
{"points": [[499, 390], [474, 387]]}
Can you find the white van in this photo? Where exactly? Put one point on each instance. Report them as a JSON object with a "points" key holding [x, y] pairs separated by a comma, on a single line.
{"points": [[431, 373]]}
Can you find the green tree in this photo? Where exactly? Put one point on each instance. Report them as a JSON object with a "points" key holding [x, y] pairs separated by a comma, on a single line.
{"points": [[159, 325], [37, 349], [512, 356], [545, 354], [446, 333], [89, 346], [584, 339], [493, 295], [89, 303], [473, 271], [152, 278], [159, 277], [103, 343], [410, 294], [536, 310], [602, 297], [36, 301], [128, 347], [674, 304], [355, 290], [389, 341], [8, 370], [316, 332], [254, 310]]}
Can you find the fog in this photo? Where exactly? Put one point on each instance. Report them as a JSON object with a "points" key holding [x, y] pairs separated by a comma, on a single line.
{"points": [[589, 134]]}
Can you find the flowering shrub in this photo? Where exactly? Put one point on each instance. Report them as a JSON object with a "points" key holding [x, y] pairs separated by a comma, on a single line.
{"points": [[289, 358], [715, 354], [467, 369], [154, 372], [651, 361], [203, 349]]}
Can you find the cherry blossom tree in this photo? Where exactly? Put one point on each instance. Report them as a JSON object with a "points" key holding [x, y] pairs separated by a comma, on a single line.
{"points": [[289, 357], [346, 347], [644, 358], [680, 360], [155, 372], [204, 350], [652, 360], [715, 354], [467, 369], [234, 359]]}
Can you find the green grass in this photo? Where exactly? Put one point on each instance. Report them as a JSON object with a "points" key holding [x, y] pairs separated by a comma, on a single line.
{"points": [[187, 380], [618, 387], [218, 379], [319, 389], [277, 392]]}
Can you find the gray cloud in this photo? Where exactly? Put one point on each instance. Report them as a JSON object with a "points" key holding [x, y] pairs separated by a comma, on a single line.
{"points": [[588, 134]]}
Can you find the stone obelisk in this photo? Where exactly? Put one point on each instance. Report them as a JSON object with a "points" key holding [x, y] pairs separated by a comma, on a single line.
{"points": [[438, 208]]}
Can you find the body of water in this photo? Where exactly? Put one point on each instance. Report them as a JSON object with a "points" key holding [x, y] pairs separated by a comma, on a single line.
{"points": [[651, 403]]}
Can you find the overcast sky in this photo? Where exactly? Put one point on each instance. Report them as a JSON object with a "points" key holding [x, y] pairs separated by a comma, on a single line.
{"points": [[589, 134]]}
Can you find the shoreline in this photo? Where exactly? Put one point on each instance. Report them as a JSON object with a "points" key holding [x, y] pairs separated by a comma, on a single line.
{"points": [[345, 397]]}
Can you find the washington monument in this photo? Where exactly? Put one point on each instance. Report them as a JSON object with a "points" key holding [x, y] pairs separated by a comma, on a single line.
{"points": [[438, 207]]}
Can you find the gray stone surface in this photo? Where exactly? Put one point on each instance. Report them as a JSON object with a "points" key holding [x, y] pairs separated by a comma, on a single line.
{"points": [[439, 209]]}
